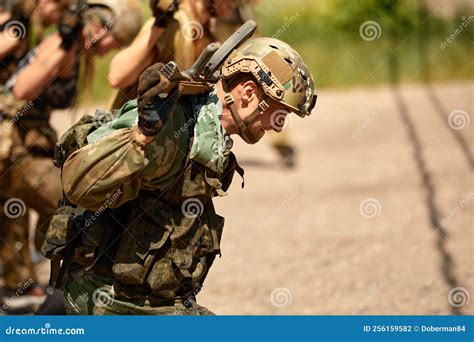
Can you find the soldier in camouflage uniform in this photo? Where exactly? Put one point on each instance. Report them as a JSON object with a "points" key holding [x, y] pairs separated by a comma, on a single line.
{"points": [[47, 78], [16, 35], [178, 32], [145, 226]]}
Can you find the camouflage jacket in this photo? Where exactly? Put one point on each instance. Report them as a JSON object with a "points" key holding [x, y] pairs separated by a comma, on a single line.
{"points": [[113, 162], [151, 205]]}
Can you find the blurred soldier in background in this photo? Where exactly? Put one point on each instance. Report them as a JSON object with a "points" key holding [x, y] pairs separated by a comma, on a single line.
{"points": [[222, 28], [46, 78], [20, 22], [179, 31]]}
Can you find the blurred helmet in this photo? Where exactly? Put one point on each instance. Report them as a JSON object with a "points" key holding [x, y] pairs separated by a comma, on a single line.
{"points": [[279, 69], [126, 19], [18, 8]]}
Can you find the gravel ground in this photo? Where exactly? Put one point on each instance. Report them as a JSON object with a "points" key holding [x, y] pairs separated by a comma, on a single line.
{"points": [[377, 217]]}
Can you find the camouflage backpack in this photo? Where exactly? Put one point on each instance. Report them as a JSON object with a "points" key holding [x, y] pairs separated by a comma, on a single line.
{"points": [[163, 251], [62, 234]]}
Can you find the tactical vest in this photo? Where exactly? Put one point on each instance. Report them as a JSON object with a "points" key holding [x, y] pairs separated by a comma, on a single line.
{"points": [[159, 245]]}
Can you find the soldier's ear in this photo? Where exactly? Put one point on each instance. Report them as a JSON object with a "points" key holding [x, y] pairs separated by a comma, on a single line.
{"points": [[249, 91]]}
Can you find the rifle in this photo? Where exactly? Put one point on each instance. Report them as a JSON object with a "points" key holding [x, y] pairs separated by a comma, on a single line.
{"points": [[163, 11], [205, 71], [73, 15]]}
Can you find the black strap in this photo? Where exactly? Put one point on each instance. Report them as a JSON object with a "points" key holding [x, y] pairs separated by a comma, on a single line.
{"points": [[104, 245], [63, 270], [54, 272], [59, 270]]}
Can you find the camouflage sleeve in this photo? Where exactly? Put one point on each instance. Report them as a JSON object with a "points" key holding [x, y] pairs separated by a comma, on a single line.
{"points": [[113, 167], [10, 106]]}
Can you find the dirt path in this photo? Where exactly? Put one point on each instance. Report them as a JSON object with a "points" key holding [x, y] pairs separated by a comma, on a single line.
{"points": [[377, 218]]}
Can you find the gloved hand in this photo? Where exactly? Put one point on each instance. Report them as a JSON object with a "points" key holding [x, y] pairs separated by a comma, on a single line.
{"points": [[163, 11], [153, 110], [69, 27]]}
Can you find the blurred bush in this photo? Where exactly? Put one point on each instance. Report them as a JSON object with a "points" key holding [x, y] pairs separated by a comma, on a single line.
{"points": [[328, 33]]}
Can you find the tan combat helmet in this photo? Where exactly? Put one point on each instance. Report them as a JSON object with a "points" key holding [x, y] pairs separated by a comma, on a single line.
{"points": [[126, 20], [279, 70]]}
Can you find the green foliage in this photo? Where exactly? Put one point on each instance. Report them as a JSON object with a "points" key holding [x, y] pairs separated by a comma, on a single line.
{"points": [[327, 33]]}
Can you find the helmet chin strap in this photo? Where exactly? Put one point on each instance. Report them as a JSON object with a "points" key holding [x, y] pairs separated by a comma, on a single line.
{"points": [[242, 125]]}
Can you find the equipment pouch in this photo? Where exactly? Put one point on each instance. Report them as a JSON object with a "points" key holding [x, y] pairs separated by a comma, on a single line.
{"points": [[61, 229]]}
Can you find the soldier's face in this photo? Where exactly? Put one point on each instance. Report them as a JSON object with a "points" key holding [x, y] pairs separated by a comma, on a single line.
{"points": [[98, 38], [272, 118], [247, 97], [106, 44]]}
